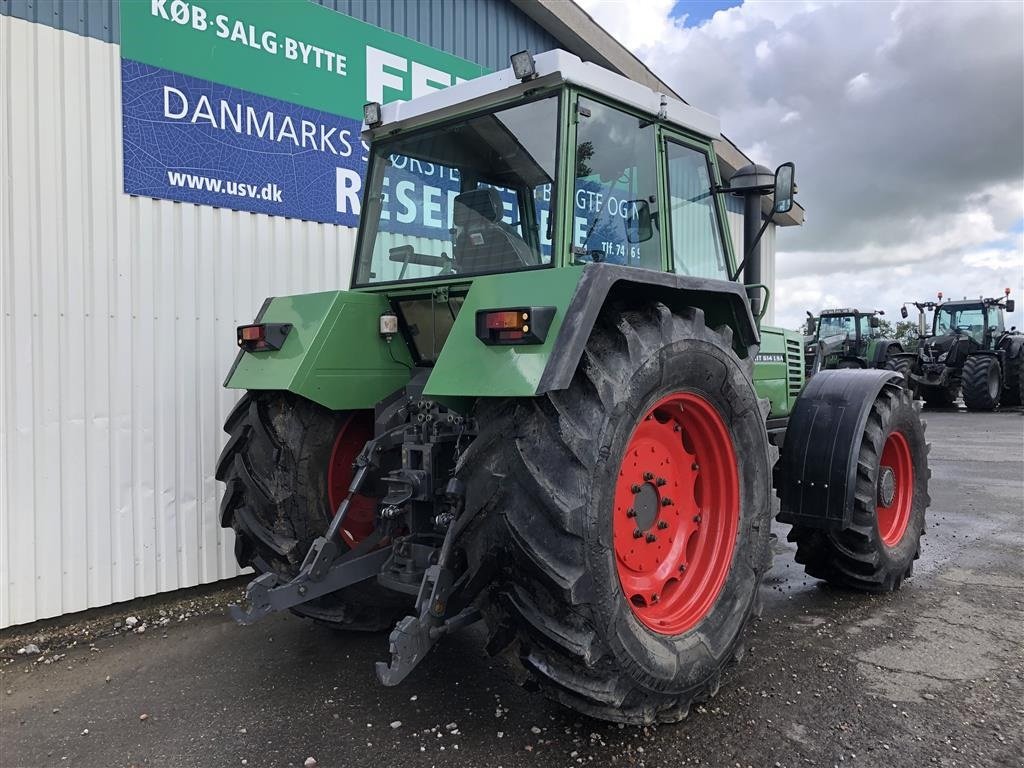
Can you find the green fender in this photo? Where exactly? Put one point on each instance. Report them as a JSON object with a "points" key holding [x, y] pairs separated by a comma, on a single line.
{"points": [[335, 356]]}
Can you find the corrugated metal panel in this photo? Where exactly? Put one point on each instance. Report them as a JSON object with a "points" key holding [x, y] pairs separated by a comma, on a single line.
{"points": [[483, 31], [118, 327], [734, 213]]}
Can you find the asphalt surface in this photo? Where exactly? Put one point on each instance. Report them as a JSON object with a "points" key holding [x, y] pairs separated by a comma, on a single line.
{"points": [[932, 675]]}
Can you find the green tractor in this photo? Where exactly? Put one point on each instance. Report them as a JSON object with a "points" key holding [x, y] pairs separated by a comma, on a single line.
{"points": [[546, 403], [847, 338], [966, 350]]}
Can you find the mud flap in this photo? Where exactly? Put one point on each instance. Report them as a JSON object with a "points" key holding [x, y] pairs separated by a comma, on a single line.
{"points": [[817, 472]]}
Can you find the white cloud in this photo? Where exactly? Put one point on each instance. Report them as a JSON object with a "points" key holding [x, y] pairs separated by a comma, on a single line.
{"points": [[905, 123]]}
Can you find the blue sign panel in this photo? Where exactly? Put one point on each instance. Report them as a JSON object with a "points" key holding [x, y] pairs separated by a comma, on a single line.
{"points": [[197, 141]]}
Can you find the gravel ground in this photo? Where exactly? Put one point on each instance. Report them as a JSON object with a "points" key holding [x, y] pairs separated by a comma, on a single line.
{"points": [[933, 675]]}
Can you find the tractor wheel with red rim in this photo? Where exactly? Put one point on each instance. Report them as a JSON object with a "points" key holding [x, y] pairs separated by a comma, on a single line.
{"points": [[635, 514], [287, 466], [877, 551]]}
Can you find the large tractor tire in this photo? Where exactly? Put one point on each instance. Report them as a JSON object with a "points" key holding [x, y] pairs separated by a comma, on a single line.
{"points": [[1013, 382], [982, 383], [941, 397], [902, 366], [878, 550], [287, 465], [635, 507]]}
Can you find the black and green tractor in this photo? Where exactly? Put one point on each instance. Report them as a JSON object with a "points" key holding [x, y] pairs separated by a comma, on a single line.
{"points": [[966, 349], [847, 338], [546, 403]]}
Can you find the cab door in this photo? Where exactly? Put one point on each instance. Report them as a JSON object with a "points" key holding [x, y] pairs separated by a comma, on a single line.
{"points": [[697, 238]]}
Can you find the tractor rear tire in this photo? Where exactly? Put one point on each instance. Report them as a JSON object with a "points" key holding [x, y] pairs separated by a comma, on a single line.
{"points": [[941, 397], [1013, 383], [277, 470], [982, 383], [608, 618], [878, 550]]}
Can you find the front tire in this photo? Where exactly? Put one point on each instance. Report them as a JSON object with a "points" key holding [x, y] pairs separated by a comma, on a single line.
{"points": [[584, 609], [982, 383], [902, 366], [878, 550]]}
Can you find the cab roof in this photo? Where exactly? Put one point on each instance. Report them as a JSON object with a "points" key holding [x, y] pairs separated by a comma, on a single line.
{"points": [[553, 68]]}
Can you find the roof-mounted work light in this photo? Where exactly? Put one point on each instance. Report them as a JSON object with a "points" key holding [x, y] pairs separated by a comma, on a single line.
{"points": [[371, 114], [523, 65]]}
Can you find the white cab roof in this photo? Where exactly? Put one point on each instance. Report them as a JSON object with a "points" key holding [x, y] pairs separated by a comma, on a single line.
{"points": [[553, 68]]}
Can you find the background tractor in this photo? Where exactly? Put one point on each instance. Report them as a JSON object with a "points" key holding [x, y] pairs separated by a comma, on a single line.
{"points": [[966, 348], [847, 338], [546, 403]]}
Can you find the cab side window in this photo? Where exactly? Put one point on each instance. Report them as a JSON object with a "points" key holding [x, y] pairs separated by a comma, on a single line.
{"points": [[615, 195], [693, 215]]}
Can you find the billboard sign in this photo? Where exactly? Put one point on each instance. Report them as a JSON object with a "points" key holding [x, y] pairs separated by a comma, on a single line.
{"points": [[258, 106]]}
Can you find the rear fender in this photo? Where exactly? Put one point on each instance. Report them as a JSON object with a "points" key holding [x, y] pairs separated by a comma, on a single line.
{"points": [[723, 303], [467, 367], [817, 471], [333, 355]]}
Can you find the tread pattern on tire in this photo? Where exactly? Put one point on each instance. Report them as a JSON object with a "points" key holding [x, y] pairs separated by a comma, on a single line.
{"points": [[976, 372], [544, 592], [856, 557], [1013, 381], [275, 501]]}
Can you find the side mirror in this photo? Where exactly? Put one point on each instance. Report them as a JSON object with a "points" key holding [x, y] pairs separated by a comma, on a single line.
{"points": [[904, 313], [875, 322], [1010, 304], [639, 226], [784, 188]]}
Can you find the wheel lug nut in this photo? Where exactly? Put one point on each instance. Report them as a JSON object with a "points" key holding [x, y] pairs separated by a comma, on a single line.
{"points": [[635, 488], [697, 518], [666, 501], [676, 428], [651, 538], [654, 598], [660, 481], [662, 524], [648, 476], [637, 533], [682, 568], [695, 466], [630, 512]]}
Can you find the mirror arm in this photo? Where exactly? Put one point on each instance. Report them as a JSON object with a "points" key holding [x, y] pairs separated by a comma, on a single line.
{"points": [[753, 245]]}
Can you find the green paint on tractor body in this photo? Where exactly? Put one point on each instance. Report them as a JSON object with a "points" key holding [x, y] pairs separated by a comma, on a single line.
{"points": [[779, 369]]}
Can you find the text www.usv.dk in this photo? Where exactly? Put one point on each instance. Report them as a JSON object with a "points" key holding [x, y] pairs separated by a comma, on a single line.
{"points": [[269, 192]]}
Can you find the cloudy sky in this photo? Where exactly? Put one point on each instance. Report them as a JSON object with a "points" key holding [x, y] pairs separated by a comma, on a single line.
{"points": [[905, 121]]}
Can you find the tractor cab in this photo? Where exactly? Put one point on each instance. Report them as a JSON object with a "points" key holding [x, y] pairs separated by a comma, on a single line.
{"points": [[846, 338]]}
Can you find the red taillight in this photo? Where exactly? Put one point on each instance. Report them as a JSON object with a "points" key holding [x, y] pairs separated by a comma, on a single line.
{"points": [[524, 325], [505, 319], [250, 332], [260, 337]]}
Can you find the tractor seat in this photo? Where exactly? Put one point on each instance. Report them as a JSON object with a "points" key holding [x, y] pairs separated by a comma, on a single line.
{"points": [[483, 242]]}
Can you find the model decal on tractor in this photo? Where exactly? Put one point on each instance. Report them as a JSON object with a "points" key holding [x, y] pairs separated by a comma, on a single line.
{"points": [[564, 429]]}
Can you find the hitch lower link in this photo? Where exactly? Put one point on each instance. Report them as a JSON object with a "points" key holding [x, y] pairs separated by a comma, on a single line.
{"points": [[323, 571]]}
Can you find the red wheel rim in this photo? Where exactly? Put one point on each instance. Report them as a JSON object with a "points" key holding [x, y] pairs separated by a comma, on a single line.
{"points": [[895, 493], [355, 430], [676, 513]]}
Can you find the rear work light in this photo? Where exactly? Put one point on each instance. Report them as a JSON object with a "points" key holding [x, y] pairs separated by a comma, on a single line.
{"points": [[261, 337], [518, 325]]}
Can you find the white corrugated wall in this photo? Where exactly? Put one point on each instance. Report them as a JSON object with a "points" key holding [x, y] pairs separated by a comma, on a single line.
{"points": [[118, 328]]}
